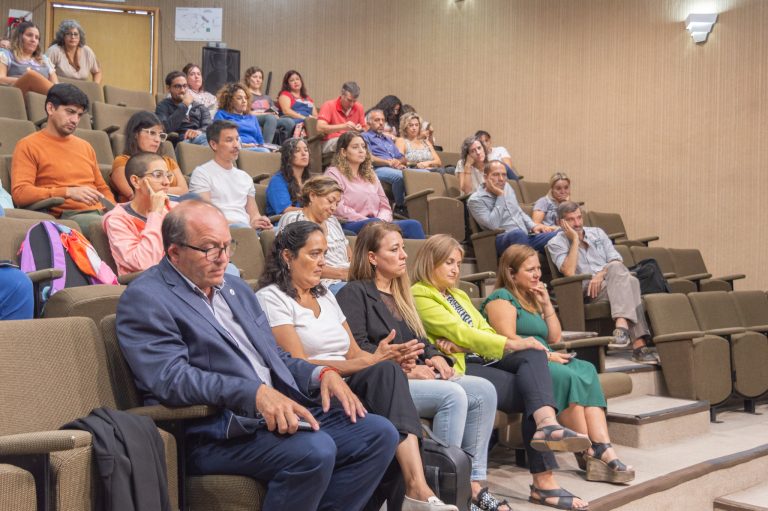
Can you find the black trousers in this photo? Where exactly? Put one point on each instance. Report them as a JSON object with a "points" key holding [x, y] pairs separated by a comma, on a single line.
{"points": [[523, 384], [383, 390]]}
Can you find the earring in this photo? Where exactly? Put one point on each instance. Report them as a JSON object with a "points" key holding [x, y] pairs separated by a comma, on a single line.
{"points": [[374, 267]]}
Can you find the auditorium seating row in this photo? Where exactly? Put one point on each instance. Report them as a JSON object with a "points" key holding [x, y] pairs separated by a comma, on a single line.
{"points": [[712, 344]]}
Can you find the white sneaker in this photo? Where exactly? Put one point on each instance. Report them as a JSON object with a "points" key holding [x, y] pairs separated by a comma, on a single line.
{"points": [[432, 504]]}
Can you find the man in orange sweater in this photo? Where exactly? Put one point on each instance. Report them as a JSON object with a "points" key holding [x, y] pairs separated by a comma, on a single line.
{"points": [[55, 163]]}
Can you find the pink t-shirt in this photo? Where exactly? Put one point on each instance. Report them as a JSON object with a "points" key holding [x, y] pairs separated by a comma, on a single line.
{"points": [[360, 199]]}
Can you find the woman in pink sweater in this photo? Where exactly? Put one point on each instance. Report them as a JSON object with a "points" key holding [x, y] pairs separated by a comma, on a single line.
{"points": [[363, 199]]}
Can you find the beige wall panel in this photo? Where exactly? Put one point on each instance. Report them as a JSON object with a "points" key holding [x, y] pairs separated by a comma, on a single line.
{"points": [[668, 133], [123, 65]]}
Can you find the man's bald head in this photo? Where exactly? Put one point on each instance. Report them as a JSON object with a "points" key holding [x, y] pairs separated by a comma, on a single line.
{"points": [[176, 223]]}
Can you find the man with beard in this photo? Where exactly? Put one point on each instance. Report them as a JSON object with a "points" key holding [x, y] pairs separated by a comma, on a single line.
{"points": [[54, 163], [588, 250]]}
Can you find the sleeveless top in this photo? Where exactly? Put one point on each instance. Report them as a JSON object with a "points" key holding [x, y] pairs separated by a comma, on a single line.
{"points": [[19, 67], [414, 155]]}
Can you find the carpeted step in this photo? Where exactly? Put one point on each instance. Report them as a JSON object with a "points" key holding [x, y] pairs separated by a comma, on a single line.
{"points": [[651, 421], [751, 499]]}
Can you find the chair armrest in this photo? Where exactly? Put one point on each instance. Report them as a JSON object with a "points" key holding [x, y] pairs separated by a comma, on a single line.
{"points": [[670, 275], [479, 277], [581, 343], [165, 413], [46, 203], [562, 281], [678, 336], [46, 274], [258, 178], [275, 218], [614, 235], [128, 278], [111, 129], [697, 276], [730, 278], [486, 234], [463, 197], [646, 239], [726, 331], [39, 123], [419, 194], [43, 442]]}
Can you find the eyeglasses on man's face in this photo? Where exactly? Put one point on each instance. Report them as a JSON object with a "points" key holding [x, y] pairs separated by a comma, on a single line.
{"points": [[214, 253]]}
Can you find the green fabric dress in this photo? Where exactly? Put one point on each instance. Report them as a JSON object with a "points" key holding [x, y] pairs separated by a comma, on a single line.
{"points": [[573, 383]]}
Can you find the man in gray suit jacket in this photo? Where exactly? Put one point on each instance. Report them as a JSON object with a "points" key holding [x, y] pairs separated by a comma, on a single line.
{"points": [[192, 336]]}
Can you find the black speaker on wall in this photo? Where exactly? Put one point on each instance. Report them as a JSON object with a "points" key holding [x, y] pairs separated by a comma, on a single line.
{"points": [[220, 66]]}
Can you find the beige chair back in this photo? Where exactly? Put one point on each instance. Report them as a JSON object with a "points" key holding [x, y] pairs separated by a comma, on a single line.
{"points": [[12, 104], [191, 156], [532, 190], [248, 257], [258, 163], [11, 131], [91, 89], [131, 98], [54, 371], [107, 116]]}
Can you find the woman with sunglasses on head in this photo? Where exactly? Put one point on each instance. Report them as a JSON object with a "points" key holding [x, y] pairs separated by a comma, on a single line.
{"points": [[70, 55], [545, 209], [144, 133]]}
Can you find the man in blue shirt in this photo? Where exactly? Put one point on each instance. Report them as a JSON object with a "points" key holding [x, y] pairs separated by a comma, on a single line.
{"points": [[388, 161]]}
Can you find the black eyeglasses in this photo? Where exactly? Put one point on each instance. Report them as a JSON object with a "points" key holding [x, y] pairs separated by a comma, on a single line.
{"points": [[214, 253]]}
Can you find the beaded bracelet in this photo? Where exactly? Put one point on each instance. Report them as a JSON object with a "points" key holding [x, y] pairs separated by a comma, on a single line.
{"points": [[325, 370]]}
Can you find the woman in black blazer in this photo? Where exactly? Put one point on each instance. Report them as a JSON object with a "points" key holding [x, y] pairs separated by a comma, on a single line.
{"points": [[376, 300]]}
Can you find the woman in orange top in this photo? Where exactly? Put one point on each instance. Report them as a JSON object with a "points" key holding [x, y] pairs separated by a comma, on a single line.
{"points": [[144, 133]]}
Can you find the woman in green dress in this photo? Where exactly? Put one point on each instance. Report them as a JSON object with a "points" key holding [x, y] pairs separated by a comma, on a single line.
{"points": [[520, 308]]}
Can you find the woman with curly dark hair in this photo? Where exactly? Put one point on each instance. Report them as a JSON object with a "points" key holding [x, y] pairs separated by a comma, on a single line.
{"points": [[70, 55], [308, 323], [235, 106], [392, 108], [284, 189], [363, 199]]}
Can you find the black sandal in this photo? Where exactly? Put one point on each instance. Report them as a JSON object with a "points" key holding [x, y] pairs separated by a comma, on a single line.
{"points": [[613, 471], [564, 498], [569, 442], [487, 502]]}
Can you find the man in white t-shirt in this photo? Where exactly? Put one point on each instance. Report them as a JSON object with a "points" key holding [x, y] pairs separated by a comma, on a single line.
{"points": [[221, 183], [497, 153]]}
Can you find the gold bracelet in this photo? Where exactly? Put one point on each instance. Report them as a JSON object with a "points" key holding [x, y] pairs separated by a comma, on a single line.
{"points": [[549, 315]]}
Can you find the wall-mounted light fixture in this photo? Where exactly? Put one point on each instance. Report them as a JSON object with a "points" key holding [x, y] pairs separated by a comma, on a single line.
{"points": [[700, 25]]}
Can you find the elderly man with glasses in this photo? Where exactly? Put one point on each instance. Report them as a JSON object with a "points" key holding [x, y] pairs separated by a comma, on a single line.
{"points": [[180, 113], [193, 335]]}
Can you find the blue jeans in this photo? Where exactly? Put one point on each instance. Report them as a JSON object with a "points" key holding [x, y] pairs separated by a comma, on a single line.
{"points": [[201, 139], [269, 124], [411, 228], [519, 237], [336, 286], [16, 298], [395, 178], [337, 467], [462, 413]]}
